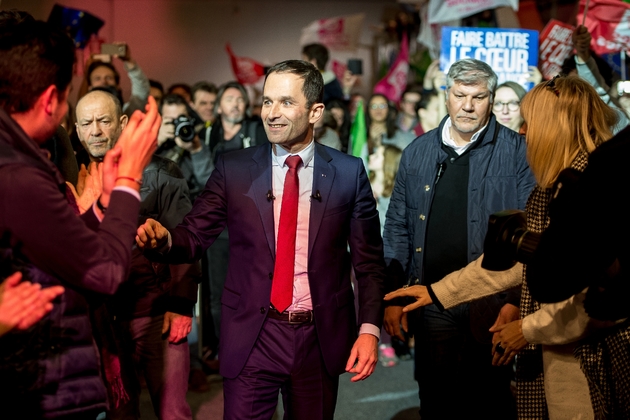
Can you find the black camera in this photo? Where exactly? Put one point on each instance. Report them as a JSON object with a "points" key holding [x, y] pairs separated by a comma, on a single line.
{"points": [[184, 128], [508, 241]]}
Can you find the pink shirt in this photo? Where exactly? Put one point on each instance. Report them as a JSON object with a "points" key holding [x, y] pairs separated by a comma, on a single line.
{"points": [[301, 289]]}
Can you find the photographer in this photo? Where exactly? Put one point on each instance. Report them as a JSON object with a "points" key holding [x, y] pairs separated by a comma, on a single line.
{"points": [[180, 143], [565, 120]]}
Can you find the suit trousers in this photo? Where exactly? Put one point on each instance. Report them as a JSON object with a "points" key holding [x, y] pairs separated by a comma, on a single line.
{"points": [[165, 367], [455, 375], [286, 358]]}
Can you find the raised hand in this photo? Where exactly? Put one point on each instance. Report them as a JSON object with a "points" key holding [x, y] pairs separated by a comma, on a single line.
{"points": [[136, 145], [89, 186], [582, 42]]}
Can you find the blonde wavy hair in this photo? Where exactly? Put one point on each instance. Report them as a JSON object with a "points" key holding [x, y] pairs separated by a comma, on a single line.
{"points": [[563, 116]]}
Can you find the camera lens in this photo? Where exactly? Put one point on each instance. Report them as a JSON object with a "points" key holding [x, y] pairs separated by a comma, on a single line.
{"points": [[184, 128]]}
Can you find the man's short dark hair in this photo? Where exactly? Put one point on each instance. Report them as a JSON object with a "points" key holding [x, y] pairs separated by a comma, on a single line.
{"points": [[203, 87], [185, 87], [174, 99], [35, 55], [156, 84], [12, 17], [313, 87], [318, 52], [96, 64], [412, 88], [226, 86]]}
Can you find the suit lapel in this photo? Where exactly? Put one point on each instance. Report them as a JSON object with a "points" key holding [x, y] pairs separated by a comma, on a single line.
{"points": [[260, 172], [323, 177]]}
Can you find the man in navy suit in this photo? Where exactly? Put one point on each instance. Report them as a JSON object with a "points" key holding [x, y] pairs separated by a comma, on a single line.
{"points": [[300, 350]]}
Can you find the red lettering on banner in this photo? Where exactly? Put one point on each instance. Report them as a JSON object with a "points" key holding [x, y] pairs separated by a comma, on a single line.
{"points": [[555, 46]]}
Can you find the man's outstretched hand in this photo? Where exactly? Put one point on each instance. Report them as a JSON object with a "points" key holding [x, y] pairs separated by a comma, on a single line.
{"points": [[151, 235]]}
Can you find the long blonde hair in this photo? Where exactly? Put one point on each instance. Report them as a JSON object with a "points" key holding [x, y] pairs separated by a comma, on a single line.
{"points": [[563, 116]]}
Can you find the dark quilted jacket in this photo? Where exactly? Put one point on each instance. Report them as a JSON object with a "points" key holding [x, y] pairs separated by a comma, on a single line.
{"points": [[499, 179], [53, 369]]}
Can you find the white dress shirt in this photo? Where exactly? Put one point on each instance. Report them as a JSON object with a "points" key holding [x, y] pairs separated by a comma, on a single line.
{"points": [[448, 140]]}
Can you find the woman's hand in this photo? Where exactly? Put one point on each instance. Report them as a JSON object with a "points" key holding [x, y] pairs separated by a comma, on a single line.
{"points": [[421, 293], [508, 341]]}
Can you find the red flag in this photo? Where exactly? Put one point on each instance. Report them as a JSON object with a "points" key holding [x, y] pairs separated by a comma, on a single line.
{"points": [[608, 21], [246, 70], [395, 81]]}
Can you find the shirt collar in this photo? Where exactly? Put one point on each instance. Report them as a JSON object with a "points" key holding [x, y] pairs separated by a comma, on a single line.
{"points": [[279, 155], [448, 140]]}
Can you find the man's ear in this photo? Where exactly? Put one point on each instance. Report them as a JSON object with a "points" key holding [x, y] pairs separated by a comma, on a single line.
{"points": [[49, 99], [123, 121], [316, 112]]}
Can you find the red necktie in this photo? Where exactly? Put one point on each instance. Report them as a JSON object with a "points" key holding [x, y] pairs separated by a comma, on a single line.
{"points": [[282, 285]]}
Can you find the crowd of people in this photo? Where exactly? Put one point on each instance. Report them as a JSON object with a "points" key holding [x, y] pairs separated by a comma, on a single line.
{"points": [[116, 211]]}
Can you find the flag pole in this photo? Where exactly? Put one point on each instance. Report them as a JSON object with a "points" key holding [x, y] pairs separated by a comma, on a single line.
{"points": [[585, 11]]}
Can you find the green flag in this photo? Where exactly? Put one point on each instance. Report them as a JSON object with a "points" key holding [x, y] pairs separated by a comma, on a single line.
{"points": [[358, 135]]}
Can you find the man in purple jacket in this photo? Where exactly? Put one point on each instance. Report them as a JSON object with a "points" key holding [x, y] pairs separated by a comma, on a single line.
{"points": [[52, 369], [303, 345]]}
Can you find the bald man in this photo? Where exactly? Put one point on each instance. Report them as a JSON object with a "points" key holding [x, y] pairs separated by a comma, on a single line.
{"points": [[152, 311], [100, 122]]}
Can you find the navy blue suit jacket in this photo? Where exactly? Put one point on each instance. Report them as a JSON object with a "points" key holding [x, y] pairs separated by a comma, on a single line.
{"points": [[237, 195]]}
